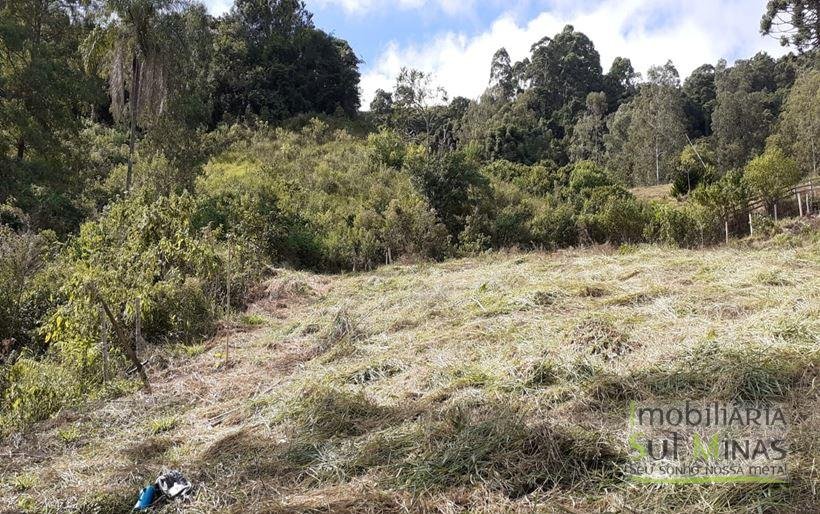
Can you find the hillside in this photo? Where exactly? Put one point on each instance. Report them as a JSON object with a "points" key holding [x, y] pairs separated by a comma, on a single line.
{"points": [[499, 382]]}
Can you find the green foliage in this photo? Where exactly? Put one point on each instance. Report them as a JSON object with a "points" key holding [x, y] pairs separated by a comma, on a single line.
{"points": [[653, 134], [685, 226], [771, 175], [22, 255], [452, 184], [619, 220], [553, 226], [320, 200], [388, 148], [799, 128], [795, 22], [724, 197], [696, 165], [36, 390], [587, 176], [538, 179], [270, 62], [748, 101]]}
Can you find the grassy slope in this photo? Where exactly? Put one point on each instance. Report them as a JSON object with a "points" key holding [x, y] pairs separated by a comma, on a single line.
{"points": [[660, 193], [499, 382]]}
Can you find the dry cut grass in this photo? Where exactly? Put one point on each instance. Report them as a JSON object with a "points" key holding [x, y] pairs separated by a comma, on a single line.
{"points": [[498, 383]]}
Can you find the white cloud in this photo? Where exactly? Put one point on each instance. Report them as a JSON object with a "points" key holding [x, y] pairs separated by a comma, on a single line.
{"points": [[649, 32], [360, 6], [218, 7]]}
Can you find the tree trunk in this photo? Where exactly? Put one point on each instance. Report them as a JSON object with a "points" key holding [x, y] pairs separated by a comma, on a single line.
{"points": [[657, 163], [133, 103], [21, 149]]}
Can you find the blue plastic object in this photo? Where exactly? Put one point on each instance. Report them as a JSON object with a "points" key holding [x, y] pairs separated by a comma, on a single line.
{"points": [[147, 496]]}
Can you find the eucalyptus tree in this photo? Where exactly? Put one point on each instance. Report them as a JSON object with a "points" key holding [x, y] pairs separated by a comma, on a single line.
{"points": [[563, 70], [746, 107], [799, 128], [587, 143], [700, 92], [648, 134]]}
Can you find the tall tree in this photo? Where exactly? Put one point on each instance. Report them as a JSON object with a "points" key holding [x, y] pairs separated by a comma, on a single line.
{"points": [[587, 142], [41, 84], [272, 63], [745, 109], [795, 22], [415, 99], [656, 133], [616, 140], [700, 93], [502, 79], [621, 82], [135, 43], [799, 128], [563, 71]]}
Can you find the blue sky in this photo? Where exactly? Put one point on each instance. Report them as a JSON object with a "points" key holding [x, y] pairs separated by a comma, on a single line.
{"points": [[455, 39]]}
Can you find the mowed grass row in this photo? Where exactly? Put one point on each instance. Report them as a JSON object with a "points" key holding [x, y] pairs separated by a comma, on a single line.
{"points": [[497, 383]]}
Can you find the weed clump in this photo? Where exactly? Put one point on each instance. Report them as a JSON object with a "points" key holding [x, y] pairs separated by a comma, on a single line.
{"points": [[338, 336], [712, 370], [599, 336], [327, 412], [493, 444]]}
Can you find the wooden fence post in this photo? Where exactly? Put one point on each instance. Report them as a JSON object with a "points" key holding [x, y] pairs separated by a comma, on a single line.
{"points": [[104, 345], [751, 225], [126, 345], [775, 211], [800, 203], [138, 342], [228, 301]]}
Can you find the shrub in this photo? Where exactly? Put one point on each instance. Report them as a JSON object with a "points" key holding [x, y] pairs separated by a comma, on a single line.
{"points": [[136, 248], [36, 390], [553, 226], [387, 149], [586, 175], [686, 226], [411, 228], [178, 313], [621, 219], [696, 166], [323, 204], [22, 255], [452, 184], [771, 175]]}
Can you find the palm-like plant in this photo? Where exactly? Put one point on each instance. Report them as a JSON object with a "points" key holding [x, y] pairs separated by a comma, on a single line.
{"points": [[134, 45]]}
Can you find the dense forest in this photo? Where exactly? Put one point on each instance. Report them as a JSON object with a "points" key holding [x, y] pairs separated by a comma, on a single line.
{"points": [[151, 150]]}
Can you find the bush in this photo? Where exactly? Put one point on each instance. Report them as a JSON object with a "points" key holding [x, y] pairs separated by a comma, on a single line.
{"points": [[178, 313], [36, 390], [621, 219], [695, 167], [686, 226], [771, 175], [22, 255], [553, 226], [326, 203], [586, 176], [452, 184], [142, 249], [387, 148]]}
